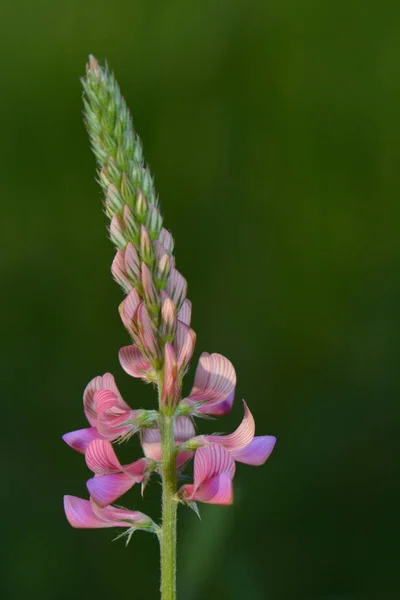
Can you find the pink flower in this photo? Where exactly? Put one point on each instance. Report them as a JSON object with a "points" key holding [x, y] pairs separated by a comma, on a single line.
{"points": [[108, 414], [112, 479], [83, 514], [242, 445], [214, 469], [214, 386]]}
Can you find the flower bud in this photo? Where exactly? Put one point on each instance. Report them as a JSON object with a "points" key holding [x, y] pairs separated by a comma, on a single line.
{"points": [[132, 263], [153, 221], [146, 335], [113, 201], [118, 271], [141, 206], [117, 233], [146, 250], [168, 317], [128, 309], [149, 289], [170, 391], [131, 226]]}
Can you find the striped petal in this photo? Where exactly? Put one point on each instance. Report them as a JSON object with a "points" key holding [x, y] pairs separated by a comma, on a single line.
{"points": [[240, 438], [176, 288], [105, 489], [185, 314], [255, 453], [80, 514], [214, 385], [79, 440], [217, 490], [106, 382], [101, 458], [112, 414], [211, 461], [83, 514], [134, 363]]}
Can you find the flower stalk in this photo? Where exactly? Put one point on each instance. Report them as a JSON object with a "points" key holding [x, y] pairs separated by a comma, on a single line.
{"points": [[169, 505]]}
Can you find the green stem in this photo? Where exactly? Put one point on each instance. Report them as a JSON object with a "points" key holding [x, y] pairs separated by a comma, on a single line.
{"points": [[169, 506]]}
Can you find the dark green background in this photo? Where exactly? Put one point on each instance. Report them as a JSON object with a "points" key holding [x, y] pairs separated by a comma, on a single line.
{"points": [[273, 129]]}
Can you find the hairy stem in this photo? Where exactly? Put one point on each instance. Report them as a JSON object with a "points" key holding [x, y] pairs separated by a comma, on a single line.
{"points": [[169, 506]]}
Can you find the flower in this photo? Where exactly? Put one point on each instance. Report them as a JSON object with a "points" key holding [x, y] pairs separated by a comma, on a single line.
{"points": [[214, 386], [214, 469], [112, 479], [109, 415], [242, 444]]}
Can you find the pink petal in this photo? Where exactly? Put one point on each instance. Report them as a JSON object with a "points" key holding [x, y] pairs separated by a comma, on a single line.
{"points": [[214, 383], [210, 461], [151, 444], [83, 514], [101, 458], [184, 344], [80, 514], [217, 490], [185, 314], [239, 438], [134, 363], [137, 470], [112, 414], [105, 489], [98, 383], [79, 440], [112, 513], [255, 453]]}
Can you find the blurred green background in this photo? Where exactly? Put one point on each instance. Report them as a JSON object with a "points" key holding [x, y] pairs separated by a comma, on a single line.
{"points": [[273, 129]]}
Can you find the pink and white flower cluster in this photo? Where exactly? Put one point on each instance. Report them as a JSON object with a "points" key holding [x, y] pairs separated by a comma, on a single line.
{"points": [[111, 419]]}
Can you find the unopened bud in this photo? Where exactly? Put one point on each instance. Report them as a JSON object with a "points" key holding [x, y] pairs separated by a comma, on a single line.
{"points": [[118, 271], [131, 226], [146, 250], [184, 344], [168, 317], [170, 391], [163, 263], [176, 288], [117, 233], [149, 289], [153, 221], [141, 206], [113, 201], [132, 263], [146, 335], [128, 309]]}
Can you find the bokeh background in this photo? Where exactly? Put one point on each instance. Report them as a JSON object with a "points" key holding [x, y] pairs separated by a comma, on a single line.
{"points": [[273, 129]]}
